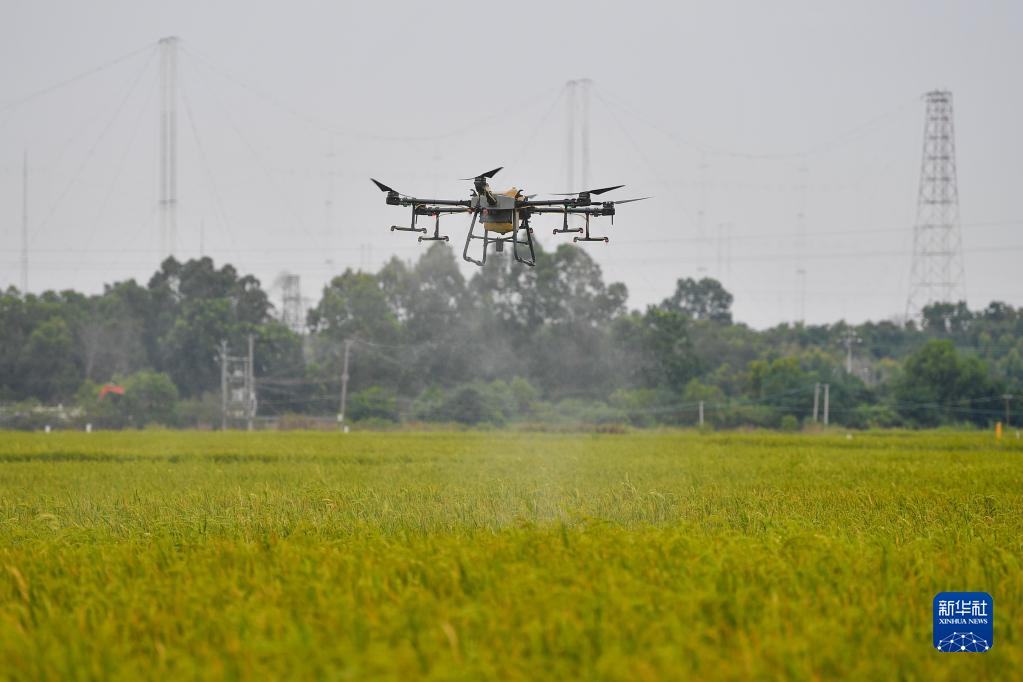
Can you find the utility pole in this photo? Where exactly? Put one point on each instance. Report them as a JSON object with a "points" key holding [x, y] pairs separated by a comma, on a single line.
{"points": [[238, 386], [250, 386], [849, 337], [816, 400], [223, 385], [24, 224], [344, 385], [721, 250], [802, 295], [827, 396], [701, 413], [937, 272], [328, 203]]}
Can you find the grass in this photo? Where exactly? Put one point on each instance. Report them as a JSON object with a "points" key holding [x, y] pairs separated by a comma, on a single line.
{"points": [[503, 555]]}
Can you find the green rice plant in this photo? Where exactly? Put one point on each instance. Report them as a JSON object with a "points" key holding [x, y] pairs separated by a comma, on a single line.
{"points": [[503, 555]]}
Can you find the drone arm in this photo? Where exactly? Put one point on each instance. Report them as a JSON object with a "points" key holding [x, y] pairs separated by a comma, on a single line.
{"points": [[575, 210], [442, 202], [434, 209], [529, 203]]}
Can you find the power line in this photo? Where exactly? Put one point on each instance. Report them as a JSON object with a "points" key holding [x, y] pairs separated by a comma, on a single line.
{"points": [[211, 181], [117, 172], [74, 79], [819, 148], [749, 236], [285, 199], [667, 258], [95, 145], [315, 123]]}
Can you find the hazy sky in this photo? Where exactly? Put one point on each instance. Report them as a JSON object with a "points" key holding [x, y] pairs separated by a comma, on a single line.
{"points": [[735, 116]]}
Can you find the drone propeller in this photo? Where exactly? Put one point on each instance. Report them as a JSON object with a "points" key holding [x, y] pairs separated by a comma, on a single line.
{"points": [[488, 174], [591, 191], [628, 201], [385, 188]]}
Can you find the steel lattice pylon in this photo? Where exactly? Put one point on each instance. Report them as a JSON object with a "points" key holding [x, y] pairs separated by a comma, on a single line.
{"points": [[291, 314], [168, 146], [937, 273]]}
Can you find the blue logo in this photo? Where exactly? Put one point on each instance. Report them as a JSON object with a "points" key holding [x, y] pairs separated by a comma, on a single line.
{"points": [[964, 622]]}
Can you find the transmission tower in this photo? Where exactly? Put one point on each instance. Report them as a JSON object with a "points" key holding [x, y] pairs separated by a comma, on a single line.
{"points": [[168, 145], [291, 296], [937, 273], [328, 202], [577, 119], [24, 224], [801, 242]]}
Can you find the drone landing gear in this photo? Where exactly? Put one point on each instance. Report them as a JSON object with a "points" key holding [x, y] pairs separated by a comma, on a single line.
{"points": [[587, 237], [566, 229], [499, 242], [468, 240], [524, 226], [437, 236], [413, 228]]}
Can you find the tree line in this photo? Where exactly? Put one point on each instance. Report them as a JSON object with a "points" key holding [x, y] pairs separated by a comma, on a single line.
{"points": [[551, 344]]}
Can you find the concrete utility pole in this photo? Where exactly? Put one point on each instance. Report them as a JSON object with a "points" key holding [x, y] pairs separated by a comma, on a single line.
{"points": [[223, 385], [827, 396], [250, 386], [816, 400], [849, 338], [701, 413], [24, 224], [801, 273], [344, 385]]}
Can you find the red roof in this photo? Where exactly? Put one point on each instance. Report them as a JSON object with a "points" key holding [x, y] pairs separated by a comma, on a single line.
{"points": [[111, 388]]}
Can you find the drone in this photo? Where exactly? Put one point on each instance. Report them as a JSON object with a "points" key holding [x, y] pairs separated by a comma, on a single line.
{"points": [[504, 216]]}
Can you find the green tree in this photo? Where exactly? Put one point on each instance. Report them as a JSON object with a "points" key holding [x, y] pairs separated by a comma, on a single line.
{"points": [[938, 385], [149, 397], [374, 403], [703, 299], [47, 360]]}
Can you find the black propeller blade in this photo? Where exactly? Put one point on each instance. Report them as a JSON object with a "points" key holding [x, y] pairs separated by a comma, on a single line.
{"points": [[628, 201], [383, 187], [591, 191], [488, 174]]}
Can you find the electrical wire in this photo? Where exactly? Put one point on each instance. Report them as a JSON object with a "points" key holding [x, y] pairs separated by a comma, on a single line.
{"points": [[316, 124], [819, 148], [92, 150], [9, 106], [210, 178]]}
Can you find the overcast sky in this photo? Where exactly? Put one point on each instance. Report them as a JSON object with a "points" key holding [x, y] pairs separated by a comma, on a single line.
{"points": [[736, 117]]}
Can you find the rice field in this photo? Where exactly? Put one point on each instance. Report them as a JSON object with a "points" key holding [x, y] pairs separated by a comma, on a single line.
{"points": [[502, 555]]}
